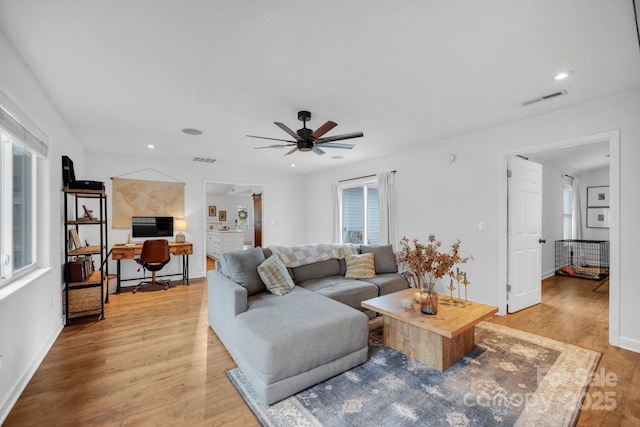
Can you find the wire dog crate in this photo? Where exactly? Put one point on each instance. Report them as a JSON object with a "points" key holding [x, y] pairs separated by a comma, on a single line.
{"points": [[588, 259]]}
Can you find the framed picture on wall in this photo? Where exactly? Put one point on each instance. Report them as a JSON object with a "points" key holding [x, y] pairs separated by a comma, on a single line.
{"points": [[598, 197], [222, 215], [212, 211], [597, 217]]}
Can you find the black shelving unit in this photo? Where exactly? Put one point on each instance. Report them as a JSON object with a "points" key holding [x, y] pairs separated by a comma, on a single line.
{"points": [[86, 296]]}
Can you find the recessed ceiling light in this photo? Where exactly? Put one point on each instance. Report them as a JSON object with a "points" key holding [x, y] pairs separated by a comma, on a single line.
{"points": [[563, 75], [151, 146], [189, 131], [293, 165], [337, 157]]}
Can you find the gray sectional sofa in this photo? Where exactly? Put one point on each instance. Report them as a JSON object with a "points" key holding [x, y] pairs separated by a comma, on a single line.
{"points": [[284, 344]]}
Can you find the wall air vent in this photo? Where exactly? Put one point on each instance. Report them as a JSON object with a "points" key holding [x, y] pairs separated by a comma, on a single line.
{"points": [[545, 98], [203, 160]]}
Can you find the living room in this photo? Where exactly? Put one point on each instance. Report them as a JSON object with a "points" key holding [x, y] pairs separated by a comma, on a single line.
{"points": [[434, 195]]}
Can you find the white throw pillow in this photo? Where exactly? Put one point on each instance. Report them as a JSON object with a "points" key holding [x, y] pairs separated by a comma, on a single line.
{"points": [[360, 266], [275, 276]]}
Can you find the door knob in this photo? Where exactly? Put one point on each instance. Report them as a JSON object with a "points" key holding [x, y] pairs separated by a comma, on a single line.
{"points": [[542, 240]]}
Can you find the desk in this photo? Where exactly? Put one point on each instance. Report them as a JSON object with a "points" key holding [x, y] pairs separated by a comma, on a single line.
{"points": [[122, 251]]}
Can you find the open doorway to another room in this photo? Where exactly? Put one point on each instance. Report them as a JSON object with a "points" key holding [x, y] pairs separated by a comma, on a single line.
{"points": [[580, 183], [570, 209], [232, 221]]}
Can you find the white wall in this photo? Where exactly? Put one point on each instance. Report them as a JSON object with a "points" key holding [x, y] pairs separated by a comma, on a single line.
{"points": [[451, 199], [282, 197], [596, 178], [31, 309]]}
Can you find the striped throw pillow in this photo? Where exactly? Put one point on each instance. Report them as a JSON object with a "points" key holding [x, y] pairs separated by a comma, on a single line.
{"points": [[360, 266], [275, 276]]}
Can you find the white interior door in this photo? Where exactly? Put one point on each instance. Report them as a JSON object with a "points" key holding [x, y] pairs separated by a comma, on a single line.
{"points": [[524, 287]]}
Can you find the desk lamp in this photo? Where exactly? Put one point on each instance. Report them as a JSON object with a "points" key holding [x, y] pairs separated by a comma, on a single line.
{"points": [[180, 224]]}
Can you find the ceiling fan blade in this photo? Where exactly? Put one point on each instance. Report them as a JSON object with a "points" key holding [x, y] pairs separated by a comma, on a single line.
{"points": [[288, 130], [340, 137], [275, 146], [318, 151], [335, 145], [271, 139], [292, 151], [323, 129]]}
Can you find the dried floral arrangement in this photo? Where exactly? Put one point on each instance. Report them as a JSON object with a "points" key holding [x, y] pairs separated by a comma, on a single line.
{"points": [[426, 263]]}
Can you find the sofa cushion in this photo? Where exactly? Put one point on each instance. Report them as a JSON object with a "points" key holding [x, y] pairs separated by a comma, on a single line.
{"points": [[317, 270], [284, 336], [360, 266], [347, 291], [383, 257], [275, 276], [242, 267], [388, 283]]}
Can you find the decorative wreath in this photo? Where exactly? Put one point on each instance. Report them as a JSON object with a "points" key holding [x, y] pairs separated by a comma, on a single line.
{"points": [[242, 215]]}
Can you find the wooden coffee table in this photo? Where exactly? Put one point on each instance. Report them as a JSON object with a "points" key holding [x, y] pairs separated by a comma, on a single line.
{"points": [[437, 340]]}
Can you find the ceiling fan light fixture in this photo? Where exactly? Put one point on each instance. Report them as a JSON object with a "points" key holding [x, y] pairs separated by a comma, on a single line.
{"points": [[306, 139]]}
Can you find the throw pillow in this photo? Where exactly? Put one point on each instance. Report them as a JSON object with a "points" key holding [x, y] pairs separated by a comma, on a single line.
{"points": [[275, 276], [384, 258], [360, 266], [243, 269]]}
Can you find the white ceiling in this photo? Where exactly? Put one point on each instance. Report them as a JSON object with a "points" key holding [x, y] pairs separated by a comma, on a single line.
{"points": [[128, 73]]}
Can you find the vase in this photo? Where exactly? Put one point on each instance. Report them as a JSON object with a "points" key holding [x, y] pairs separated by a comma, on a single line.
{"points": [[429, 301]]}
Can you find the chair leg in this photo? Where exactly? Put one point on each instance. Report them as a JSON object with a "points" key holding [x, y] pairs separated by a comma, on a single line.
{"points": [[153, 282]]}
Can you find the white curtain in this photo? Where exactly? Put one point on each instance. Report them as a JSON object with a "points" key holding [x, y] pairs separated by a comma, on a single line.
{"points": [[336, 212], [387, 196], [576, 211]]}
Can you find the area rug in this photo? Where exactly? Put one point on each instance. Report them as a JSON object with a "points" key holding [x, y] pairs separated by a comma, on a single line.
{"points": [[511, 378]]}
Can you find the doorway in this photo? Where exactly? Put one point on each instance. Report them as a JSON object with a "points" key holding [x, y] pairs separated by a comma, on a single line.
{"points": [[555, 150], [229, 208]]}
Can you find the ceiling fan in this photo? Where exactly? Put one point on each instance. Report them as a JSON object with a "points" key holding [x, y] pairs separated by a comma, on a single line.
{"points": [[308, 139]]}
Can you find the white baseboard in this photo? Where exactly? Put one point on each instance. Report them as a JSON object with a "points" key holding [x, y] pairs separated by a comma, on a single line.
{"points": [[15, 391], [548, 274], [629, 344]]}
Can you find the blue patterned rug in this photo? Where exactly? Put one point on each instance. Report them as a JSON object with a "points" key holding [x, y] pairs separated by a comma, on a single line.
{"points": [[511, 378]]}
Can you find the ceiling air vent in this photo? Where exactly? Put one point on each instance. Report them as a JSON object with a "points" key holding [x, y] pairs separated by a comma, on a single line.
{"points": [[203, 160], [545, 98]]}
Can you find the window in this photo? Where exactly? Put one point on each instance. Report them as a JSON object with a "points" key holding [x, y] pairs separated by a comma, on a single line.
{"points": [[360, 213], [17, 200], [567, 213]]}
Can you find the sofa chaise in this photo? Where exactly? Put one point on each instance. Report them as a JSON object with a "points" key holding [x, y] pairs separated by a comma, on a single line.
{"points": [[309, 325]]}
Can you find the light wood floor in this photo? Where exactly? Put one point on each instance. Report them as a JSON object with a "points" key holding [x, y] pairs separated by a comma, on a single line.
{"points": [[154, 361]]}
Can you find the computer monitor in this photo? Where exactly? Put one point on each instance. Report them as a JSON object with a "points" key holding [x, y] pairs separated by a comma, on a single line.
{"points": [[151, 226], [164, 226]]}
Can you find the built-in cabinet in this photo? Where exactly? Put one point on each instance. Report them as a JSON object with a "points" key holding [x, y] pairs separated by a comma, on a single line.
{"points": [[220, 242], [85, 265]]}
